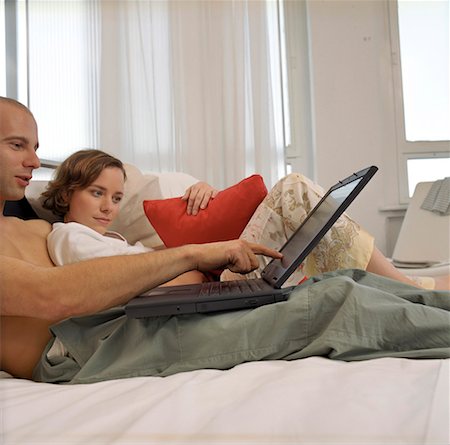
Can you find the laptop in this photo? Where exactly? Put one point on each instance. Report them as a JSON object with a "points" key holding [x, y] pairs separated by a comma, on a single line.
{"points": [[244, 294]]}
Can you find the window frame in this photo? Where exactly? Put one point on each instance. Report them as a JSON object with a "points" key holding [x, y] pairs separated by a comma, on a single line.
{"points": [[406, 149]]}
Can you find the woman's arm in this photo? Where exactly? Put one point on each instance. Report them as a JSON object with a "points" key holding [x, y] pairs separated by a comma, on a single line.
{"points": [[198, 197]]}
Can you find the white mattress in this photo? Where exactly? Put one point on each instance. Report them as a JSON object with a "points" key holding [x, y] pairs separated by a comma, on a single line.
{"points": [[309, 401]]}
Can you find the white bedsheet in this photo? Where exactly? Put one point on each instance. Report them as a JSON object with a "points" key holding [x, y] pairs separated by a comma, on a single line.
{"points": [[309, 401]]}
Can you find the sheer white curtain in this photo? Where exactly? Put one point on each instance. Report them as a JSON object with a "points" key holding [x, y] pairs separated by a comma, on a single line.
{"points": [[193, 86], [59, 49], [167, 85]]}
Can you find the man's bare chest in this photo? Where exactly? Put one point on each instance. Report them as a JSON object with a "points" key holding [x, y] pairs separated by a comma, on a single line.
{"points": [[26, 241]]}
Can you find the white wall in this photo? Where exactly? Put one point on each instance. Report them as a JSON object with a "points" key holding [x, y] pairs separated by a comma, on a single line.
{"points": [[353, 108]]}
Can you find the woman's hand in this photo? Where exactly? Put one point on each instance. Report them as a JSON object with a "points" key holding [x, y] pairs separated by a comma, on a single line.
{"points": [[198, 197]]}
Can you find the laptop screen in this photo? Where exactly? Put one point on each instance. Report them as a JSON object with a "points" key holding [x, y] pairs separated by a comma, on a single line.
{"points": [[317, 223]]}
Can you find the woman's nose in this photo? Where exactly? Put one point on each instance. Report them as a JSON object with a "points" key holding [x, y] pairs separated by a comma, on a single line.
{"points": [[106, 206]]}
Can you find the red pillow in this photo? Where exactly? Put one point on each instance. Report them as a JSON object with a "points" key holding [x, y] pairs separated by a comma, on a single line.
{"points": [[224, 219]]}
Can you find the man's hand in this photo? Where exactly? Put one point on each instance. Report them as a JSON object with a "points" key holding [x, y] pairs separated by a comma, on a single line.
{"points": [[237, 255], [198, 196]]}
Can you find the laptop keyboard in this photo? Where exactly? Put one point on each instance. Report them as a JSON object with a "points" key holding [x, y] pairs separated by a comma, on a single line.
{"points": [[235, 287]]}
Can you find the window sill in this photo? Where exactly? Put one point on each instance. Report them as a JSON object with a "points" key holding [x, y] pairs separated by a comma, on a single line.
{"points": [[397, 208]]}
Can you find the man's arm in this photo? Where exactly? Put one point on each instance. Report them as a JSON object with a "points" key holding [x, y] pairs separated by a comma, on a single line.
{"points": [[55, 293], [71, 242]]}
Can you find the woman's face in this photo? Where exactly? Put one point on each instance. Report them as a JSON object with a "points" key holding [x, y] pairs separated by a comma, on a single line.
{"points": [[97, 205]]}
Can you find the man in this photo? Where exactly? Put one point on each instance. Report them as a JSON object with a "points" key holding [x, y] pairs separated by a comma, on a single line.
{"points": [[349, 315], [34, 294]]}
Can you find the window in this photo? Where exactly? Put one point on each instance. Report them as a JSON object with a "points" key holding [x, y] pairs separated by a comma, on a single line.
{"points": [[2, 49], [422, 169], [424, 49], [116, 76], [52, 46], [62, 54], [297, 88], [421, 45], [13, 40]]}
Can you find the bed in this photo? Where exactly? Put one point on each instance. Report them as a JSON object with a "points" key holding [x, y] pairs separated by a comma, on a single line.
{"points": [[309, 401]]}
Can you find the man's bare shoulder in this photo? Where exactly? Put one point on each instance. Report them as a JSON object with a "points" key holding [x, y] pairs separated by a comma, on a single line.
{"points": [[32, 226], [40, 226], [26, 240]]}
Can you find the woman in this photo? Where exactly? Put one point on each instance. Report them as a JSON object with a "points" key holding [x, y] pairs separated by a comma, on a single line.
{"points": [[89, 186], [86, 193]]}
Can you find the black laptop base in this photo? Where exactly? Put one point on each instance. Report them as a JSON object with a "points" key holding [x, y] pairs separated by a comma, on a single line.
{"points": [[176, 301]]}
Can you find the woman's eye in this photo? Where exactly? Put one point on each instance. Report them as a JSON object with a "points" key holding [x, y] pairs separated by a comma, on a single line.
{"points": [[117, 199], [96, 193], [17, 145]]}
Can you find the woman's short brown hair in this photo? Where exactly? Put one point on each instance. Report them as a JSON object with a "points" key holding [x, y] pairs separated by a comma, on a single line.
{"points": [[77, 172]]}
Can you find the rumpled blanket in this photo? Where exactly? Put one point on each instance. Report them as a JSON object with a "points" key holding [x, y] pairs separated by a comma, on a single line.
{"points": [[438, 198], [346, 315]]}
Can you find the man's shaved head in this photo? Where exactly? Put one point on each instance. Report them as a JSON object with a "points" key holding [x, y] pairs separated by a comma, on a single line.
{"points": [[15, 103]]}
